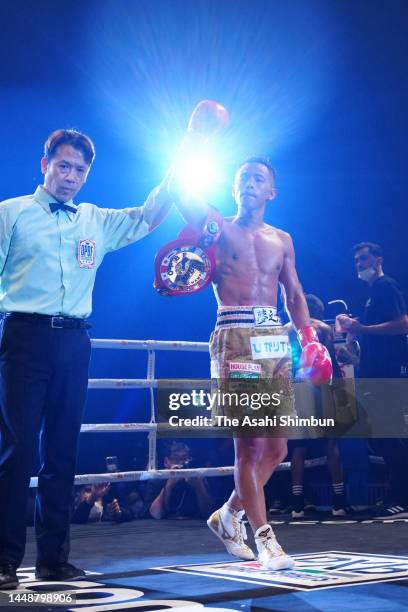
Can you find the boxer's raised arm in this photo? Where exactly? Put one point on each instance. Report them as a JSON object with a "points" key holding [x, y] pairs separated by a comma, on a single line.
{"points": [[193, 208], [206, 120]]}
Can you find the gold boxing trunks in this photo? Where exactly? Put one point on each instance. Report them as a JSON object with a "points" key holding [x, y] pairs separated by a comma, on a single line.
{"points": [[251, 365]]}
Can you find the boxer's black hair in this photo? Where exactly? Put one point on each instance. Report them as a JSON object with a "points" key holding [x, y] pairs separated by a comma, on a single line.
{"points": [[265, 161]]}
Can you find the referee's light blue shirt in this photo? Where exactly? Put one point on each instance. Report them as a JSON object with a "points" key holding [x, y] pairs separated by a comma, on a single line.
{"points": [[48, 261]]}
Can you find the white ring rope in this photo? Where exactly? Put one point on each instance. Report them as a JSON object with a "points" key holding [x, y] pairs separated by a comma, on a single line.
{"points": [[82, 479], [111, 427], [151, 345], [145, 383], [122, 383]]}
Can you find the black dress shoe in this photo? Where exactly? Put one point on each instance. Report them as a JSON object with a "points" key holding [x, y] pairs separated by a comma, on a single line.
{"points": [[64, 571], [8, 577]]}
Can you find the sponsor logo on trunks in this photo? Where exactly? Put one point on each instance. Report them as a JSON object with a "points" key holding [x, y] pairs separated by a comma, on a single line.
{"points": [[86, 253], [266, 317], [270, 347], [312, 571], [244, 370]]}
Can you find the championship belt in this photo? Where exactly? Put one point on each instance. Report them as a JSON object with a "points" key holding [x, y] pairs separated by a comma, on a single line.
{"points": [[187, 264]]}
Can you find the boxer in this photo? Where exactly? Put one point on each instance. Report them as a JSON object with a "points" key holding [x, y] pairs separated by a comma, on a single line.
{"points": [[251, 259]]}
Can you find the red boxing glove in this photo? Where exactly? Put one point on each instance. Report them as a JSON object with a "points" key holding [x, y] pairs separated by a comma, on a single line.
{"points": [[315, 362], [208, 118]]}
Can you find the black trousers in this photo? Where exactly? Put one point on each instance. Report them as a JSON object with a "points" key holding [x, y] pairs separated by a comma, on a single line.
{"points": [[43, 385]]}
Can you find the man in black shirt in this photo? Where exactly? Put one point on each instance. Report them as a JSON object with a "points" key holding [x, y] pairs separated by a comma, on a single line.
{"points": [[384, 354], [385, 323]]}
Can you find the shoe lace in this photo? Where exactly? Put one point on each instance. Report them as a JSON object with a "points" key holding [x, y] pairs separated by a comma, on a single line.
{"points": [[273, 546], [239, 529]]}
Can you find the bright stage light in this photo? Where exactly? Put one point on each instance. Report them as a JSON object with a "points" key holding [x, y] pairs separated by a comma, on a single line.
{"points": [[199, 169]]}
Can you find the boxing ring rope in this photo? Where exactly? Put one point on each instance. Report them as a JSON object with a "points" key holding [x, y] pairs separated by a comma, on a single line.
{"points": [[84, 479], [151, 346]]}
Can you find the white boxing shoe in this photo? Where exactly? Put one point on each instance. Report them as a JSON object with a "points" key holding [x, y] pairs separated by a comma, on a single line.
{"points": [[270, 553], [230, 529]]}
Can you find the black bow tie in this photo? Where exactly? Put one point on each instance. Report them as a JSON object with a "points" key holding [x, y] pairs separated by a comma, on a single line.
{"points": [[58, 206]]}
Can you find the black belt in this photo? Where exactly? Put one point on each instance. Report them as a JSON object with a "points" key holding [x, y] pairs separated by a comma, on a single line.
{"points": [[54, 321]]}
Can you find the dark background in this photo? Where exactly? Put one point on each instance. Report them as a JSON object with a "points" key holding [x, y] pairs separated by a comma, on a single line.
{"points": [[318, 85]]}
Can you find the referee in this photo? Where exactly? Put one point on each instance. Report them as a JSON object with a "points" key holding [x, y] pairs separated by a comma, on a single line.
{"points": [[50, 250]]}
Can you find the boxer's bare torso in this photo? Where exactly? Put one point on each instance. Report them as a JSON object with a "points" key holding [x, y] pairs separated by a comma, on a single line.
{"points": [[249, 264], [252, 257]]}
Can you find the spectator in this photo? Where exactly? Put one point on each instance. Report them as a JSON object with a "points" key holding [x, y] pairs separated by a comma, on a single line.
{"points": [[98, 503]]}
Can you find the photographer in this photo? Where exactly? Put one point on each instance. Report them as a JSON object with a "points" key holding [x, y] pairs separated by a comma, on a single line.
{"points": [[180, 498]]}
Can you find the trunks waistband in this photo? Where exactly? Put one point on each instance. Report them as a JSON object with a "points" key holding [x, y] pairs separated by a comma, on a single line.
{"points": [[247, 316]]}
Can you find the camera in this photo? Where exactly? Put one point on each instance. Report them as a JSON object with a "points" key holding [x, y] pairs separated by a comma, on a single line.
{"points": [[112, 464]]}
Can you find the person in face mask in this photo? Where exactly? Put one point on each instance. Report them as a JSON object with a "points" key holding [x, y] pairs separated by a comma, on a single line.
{"points": [[385, 323], [384, 355]]}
